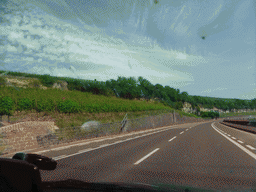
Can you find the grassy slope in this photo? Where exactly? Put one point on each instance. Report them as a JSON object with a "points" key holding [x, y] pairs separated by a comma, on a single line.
{"points": [[77, 119]]}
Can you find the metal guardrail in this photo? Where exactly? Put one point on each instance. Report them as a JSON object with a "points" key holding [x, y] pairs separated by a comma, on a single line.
{"points": [[246, 128]]}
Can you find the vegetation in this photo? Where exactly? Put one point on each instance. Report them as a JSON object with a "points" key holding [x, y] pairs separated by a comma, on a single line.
{"points": [[121, 95], [105, 102]]}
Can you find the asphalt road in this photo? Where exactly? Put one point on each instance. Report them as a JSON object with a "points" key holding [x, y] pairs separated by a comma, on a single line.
{"points": [[204, 155]]}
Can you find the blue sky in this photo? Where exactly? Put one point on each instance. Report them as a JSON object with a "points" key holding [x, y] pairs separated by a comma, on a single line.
{"points": [[161, 42]]}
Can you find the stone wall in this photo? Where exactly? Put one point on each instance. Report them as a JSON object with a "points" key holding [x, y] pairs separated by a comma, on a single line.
{"points": [[159, 121], [25, 135]]}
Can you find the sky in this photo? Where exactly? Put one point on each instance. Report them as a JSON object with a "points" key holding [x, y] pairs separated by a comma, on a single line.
{"points": [[203, 47]]}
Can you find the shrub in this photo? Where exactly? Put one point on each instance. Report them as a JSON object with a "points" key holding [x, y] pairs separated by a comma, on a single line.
{"points": [[47, 80], [109, 93], [178, 105], [45, 105], [68, 106], [35, 83], [6, 106], [210, 114], [25, 104], [2, 81]]}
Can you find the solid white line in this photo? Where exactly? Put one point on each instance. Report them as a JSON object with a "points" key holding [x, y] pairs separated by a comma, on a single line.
{"points": [[172, 138], [240, 141], [233, 137], [105, 145], [146, 156], [181, 132], [228, 135], [238, 145], [85, 150], [57, 158], [249, 146], [97, 140], [163, 129]]}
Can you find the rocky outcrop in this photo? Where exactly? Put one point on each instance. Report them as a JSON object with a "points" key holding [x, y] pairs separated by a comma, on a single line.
{"points": [[187, 108], [25, 82], [62, 85]]}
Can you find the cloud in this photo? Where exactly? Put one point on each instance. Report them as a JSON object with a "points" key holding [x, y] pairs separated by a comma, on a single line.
{"points": [[212, 90], [216, 26]]}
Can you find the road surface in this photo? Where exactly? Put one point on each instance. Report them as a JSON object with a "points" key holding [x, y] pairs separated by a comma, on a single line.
{"points": [[203, 155]]}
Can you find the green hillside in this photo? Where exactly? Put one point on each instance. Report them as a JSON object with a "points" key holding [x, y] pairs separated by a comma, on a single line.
{"points": [[92, 100]]}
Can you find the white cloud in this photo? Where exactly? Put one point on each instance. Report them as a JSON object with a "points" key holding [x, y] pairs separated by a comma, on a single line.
{"points": [[28, 59], [181, 56], [11, 48], [212, 90], [14, 35], [216, 26]]}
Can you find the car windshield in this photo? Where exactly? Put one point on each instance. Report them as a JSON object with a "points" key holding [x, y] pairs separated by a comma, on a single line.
{"points": [[153, 92]]}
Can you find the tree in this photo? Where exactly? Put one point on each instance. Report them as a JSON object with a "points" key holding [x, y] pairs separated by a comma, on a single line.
{"points": [[160, 92], [184, 96], [246, 104], [135, 91], [197, 110], [211, 103], [238, 104], [198, 100], [251, 105], [178, 105], [171, 93], [112, 84], [146, 87], [128, 87]]}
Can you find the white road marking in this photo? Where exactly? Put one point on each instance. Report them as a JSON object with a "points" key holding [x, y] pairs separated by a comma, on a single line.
{"points": [[238, 145], [85, 150], [91, 149], [240, 141], [181, 132], [60, 157], [249, 146], [97, 140], [146, 156], [105, 145], [233, 137], [172, 138], [228, 135]]}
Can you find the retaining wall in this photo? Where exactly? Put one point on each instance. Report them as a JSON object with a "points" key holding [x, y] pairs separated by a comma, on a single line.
{"points": [[24, 135], [159, 121], [29, 135]]}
